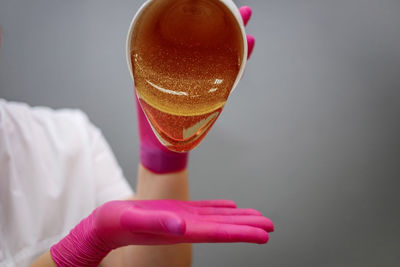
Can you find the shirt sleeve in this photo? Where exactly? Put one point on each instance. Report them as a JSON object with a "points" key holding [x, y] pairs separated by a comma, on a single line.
{"points": [[109, 180]]}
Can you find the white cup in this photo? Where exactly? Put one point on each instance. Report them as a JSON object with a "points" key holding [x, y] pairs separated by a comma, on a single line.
{"points": [[231, 7]]}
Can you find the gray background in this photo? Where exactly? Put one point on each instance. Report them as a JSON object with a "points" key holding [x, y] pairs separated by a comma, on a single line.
{"points": [[311, 136]]}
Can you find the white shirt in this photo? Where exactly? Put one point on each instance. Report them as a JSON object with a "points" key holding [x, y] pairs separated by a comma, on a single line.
{"points": [[55, 168]]}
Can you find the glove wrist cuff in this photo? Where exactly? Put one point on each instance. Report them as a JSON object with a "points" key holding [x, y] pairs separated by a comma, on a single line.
{"points": [[161, 161], [81, 247]]}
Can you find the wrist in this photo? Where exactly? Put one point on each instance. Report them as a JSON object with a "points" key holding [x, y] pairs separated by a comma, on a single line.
{"points": [[162, 161], [161, 186], [81, 247]]}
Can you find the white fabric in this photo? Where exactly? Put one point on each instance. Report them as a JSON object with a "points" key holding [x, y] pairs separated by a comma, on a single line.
{"points": [[55, 168]]}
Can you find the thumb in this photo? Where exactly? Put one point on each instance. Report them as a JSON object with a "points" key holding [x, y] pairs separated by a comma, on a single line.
{"points": [[156, 222]]}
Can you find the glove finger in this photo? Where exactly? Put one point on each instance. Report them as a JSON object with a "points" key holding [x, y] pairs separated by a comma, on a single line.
{"points": [[150, 221], [249, 220], [210, 232], [250, 44], [245, 12], [213, 203], [144, 126], [226, 211]]}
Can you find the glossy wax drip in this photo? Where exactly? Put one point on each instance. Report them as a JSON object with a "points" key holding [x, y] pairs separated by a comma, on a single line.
{"points": [[186, 56]]}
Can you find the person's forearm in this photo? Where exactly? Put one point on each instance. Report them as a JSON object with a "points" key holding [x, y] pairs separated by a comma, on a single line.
{"points": [[44, 261], [160, 186]]}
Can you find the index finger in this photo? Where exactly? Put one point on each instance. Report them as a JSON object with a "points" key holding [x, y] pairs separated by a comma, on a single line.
{"points": [[245, 12], [223, 203], [211, 232]]}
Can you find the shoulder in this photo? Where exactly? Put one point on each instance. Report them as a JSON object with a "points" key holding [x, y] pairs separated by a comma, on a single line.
{"points": [[18, 113], [20, 119], [43, 136]]}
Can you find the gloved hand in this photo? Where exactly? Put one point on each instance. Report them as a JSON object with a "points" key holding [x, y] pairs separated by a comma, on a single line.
{"points": [[153, 155], [158, 222]]}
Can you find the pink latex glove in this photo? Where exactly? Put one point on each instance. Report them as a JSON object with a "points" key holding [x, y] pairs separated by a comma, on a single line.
{"points": [[158, 222], [153, 155]]}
